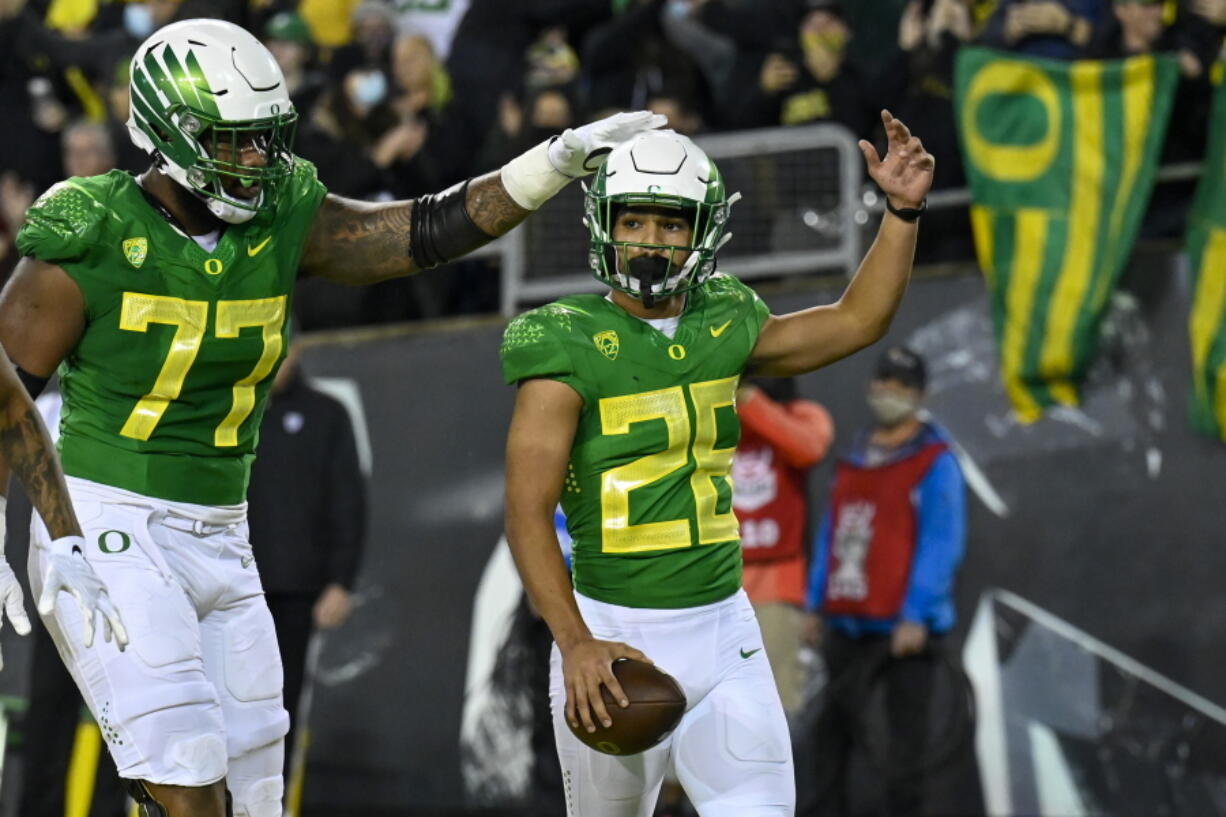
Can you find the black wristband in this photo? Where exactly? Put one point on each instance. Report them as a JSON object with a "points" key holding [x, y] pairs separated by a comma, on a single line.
{"points": [[440, 228], [907, 213]]}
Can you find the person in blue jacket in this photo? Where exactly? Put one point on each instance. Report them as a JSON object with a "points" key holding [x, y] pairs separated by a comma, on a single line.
{"points": [[882, 577]]}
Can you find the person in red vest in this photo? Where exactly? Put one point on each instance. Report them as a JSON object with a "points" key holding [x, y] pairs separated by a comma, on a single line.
{"points": [[782, 437], [882, 577]]}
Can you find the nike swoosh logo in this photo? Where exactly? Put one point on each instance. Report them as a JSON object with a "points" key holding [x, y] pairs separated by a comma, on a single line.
{"points": [[716, 331], [748, 653], [247, 560], [252, 251]]}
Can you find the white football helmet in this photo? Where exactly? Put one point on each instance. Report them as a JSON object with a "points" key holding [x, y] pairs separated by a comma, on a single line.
{"points": [[200, 84], [657, 168]]}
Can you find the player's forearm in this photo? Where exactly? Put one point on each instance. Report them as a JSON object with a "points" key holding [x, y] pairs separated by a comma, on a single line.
{"points": [[538, 557], [491, 207], [27, 452], [876, 290], [357, 242], [802, 341]]}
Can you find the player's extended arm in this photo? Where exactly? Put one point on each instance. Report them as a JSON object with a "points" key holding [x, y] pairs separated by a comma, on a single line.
{"points": [[803, 341], [355, 242], [538, 449]]}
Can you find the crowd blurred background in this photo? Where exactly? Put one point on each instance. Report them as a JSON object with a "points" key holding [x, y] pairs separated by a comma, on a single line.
{"points": [[402, 97]]}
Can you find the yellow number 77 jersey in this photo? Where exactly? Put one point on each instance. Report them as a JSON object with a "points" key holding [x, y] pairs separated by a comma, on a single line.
{"points": [[164, 392], [648, 496]]}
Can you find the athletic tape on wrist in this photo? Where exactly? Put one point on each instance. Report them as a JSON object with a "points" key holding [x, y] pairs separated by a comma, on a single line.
{"points": [[68, 545], [531, 179]]}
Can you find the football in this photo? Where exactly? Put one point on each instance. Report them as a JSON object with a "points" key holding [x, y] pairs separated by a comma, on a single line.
{"points": [[656, 706]]}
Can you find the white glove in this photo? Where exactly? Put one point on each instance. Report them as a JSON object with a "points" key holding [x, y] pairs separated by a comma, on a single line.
{"points": [[581, 151], [534, 177], [12, 599], [65, 570]]}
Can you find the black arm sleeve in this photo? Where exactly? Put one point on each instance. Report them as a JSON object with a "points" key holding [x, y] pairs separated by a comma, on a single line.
{"points": [[346, 508], [440, 228]]}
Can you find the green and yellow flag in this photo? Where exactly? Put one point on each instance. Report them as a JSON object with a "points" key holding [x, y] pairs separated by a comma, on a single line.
{"points": [[1206, 248], [1061, 159]]}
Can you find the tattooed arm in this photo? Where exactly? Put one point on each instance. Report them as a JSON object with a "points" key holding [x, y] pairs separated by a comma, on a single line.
{"points": [[42, 317], [353, 242], [357, 242], [29, 454]]}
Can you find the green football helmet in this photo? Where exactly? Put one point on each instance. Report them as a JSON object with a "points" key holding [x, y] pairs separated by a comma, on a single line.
{"points": [[198, 85], [658, 168]]}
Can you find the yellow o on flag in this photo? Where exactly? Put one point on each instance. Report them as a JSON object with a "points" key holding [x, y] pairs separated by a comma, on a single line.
{"points": [[1012, 163]]}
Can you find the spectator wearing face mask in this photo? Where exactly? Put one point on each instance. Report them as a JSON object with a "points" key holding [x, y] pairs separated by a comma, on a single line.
{"points": [[882, 578], [341, 131], [804, 78], [1059, 29]]}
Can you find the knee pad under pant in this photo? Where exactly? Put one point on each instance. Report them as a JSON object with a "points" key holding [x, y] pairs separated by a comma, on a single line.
{"points": [[260, 799]]}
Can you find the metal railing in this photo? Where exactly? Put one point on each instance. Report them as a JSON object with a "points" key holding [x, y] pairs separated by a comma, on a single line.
{"points": [[801, 191], [805, 209]]}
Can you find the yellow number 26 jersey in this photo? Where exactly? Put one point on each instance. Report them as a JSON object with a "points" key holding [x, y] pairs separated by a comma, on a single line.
{"points": [[648, 496]]}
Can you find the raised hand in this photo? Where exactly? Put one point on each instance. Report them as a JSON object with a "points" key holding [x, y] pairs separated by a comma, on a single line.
{"points": [[905, 174], [581, 151]]}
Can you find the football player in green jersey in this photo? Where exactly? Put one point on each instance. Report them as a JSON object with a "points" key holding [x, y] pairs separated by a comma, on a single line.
{"points": [[626, 413], [163, 300]]}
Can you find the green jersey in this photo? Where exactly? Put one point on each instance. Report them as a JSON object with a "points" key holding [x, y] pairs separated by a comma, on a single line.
{"points": [[164, 392], [648, 496]]}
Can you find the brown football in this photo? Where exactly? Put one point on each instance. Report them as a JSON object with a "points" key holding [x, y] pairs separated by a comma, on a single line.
{"points": [[656, 706]]}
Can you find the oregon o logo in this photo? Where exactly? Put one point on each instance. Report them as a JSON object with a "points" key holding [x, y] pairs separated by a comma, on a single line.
{"points": [[114, 541], [676, 351], [1005, 162], [213, 266]]}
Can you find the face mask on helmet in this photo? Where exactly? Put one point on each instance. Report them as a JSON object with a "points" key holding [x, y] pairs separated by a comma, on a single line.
{"points": [[645, 270], [209, 101], [658, 169]]}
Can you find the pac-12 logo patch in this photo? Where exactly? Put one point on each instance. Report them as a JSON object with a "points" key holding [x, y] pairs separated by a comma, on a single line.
{"points": [[135, 250], [608, 343]]}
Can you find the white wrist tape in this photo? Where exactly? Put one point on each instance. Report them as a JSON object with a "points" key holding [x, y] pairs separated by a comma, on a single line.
{"points": [[68, 545], [531, 179]]}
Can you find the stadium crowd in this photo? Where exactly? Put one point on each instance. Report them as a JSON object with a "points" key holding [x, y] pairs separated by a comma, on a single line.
{"points": [[401, 97]]}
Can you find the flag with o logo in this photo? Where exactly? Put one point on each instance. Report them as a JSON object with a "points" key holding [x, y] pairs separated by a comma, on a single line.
{"points": [[1060, 158]]}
